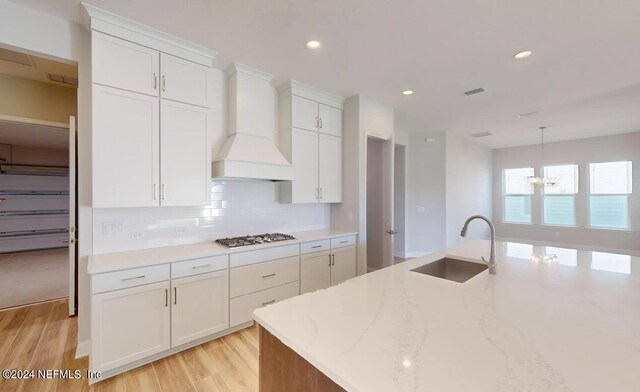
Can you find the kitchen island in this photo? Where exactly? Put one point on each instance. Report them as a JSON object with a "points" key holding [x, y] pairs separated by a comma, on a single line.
{"points": [[552, 319]]}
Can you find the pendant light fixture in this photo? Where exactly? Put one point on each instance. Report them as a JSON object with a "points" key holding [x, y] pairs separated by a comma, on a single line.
{"points": [[543, 181]]}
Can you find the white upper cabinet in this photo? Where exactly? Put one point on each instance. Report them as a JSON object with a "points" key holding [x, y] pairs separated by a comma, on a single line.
{"points": [[304, 113], [122, 64], [153, 118], [185, 81], [185, 165], [330, 120], [311, 119], [330, 169], [126, 144]]}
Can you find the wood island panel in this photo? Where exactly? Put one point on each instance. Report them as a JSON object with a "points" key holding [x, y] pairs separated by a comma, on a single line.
{"points": [[283, 370]]}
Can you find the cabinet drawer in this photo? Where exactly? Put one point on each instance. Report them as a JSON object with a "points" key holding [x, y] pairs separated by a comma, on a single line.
{"points": [[117, 280], [199, 266], [341, 242], [242, 307], [258, 256], [256, 277], [315, 246]]}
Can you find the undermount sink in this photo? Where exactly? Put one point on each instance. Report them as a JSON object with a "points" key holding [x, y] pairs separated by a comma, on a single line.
{"points": [[451, 269]]}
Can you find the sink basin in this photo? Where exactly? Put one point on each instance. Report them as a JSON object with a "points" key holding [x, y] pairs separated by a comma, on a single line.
{"points": [[451, 269]]}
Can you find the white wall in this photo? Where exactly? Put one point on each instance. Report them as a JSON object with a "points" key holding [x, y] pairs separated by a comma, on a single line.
{"points": [[22, 28], [238, 207], [469, 188], [581, 152]]}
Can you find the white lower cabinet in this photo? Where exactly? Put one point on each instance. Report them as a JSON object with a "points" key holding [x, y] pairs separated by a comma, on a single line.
{"points": [[321, 270], [129, 324], [199, 306], [315, 271], [343, 264], [242, 307]]}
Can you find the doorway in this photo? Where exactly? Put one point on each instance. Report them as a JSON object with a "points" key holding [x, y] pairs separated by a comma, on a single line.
{"points": [[379, 203], [399, 203], [37, 180]]}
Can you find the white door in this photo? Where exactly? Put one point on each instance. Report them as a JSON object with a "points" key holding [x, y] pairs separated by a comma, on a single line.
{"points": [[343, 264], [185, 166], [330, 120], [185, 81], [330, 169], [129, 324], [304, 113], [71, 228], [200, 306], [119, 63], [315, 271], [387, 202], [304, 158], [126, 156]]}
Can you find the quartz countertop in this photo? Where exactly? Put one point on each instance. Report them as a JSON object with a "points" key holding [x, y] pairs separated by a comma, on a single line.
{"points": [[109, 262], [543, 323]]}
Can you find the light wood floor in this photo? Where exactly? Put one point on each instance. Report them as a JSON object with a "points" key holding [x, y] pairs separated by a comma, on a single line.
{"points": [[42, 336]]}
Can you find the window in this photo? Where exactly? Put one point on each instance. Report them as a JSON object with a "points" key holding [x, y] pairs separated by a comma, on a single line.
{"points": [[517, 195], [560, 201], [610, 186]]}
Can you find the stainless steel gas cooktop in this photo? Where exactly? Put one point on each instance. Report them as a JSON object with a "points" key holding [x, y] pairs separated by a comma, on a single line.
{"points": [[254, 239]]}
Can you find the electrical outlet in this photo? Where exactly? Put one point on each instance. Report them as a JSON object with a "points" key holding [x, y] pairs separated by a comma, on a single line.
{"points": [[181, 230], [136, 235], [109, 228]]}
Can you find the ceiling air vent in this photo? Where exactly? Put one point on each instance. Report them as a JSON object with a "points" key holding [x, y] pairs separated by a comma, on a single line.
{"points": [[481, 134], [474, 92], [16, 57], [63, 79]]}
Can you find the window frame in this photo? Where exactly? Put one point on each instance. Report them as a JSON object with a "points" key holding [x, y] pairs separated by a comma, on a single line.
{"points": [[543, 195], [505, 195], [589, 224]]}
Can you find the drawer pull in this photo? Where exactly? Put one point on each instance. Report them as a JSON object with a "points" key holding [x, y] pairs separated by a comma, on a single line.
{"points": [[268, 276], [166, 298], [202, 266], [134, 277], [344, 242], [268, 302], [317, 246]]}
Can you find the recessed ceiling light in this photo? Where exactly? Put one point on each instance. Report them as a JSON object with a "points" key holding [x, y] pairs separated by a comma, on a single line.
{"points": [[313, 44], [522, 55], [407, 92]]}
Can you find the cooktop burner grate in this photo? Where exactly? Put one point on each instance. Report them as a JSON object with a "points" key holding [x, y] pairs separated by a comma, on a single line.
{"points": [[254, 239]]}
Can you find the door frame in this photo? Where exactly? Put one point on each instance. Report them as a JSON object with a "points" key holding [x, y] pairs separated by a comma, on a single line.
{"points": [[403, 227], [388, 151]]}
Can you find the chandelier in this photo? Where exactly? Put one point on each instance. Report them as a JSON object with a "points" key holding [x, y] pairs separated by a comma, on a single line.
{"points": [[544, 181]]}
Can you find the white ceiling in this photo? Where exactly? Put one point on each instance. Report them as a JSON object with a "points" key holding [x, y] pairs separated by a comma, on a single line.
{"points": [[21, 134], [582, 77]]}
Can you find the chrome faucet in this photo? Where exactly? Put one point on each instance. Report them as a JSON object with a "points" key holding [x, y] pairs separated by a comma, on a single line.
{"points": [[492, 257]]}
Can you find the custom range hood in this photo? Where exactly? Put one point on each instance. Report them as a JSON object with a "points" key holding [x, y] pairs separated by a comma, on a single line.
{"points": [[250, 151]]}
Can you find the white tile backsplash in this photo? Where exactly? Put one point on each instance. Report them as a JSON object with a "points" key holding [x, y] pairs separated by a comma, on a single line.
{"points": [[237, 208]]}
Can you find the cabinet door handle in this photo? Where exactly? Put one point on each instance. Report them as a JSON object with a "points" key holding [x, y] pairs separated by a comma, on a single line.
{"points": [[268, 276], [164, 83], [175, 295], [268, 302], [166, 298], [164, 191], [202, 266], [320, 193], [317, 122], [320, 122], [134, 277], [329, 260], [155, 191], [155, 81], [333, 258]]}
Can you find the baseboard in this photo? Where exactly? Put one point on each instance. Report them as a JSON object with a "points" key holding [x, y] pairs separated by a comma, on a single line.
{"points": [[83, 349], [371, 269], [401, 255]]}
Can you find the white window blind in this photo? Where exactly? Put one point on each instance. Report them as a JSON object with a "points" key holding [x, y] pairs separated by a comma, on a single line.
{"points": [[610, 185], [517, 195], [559, 200]]}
